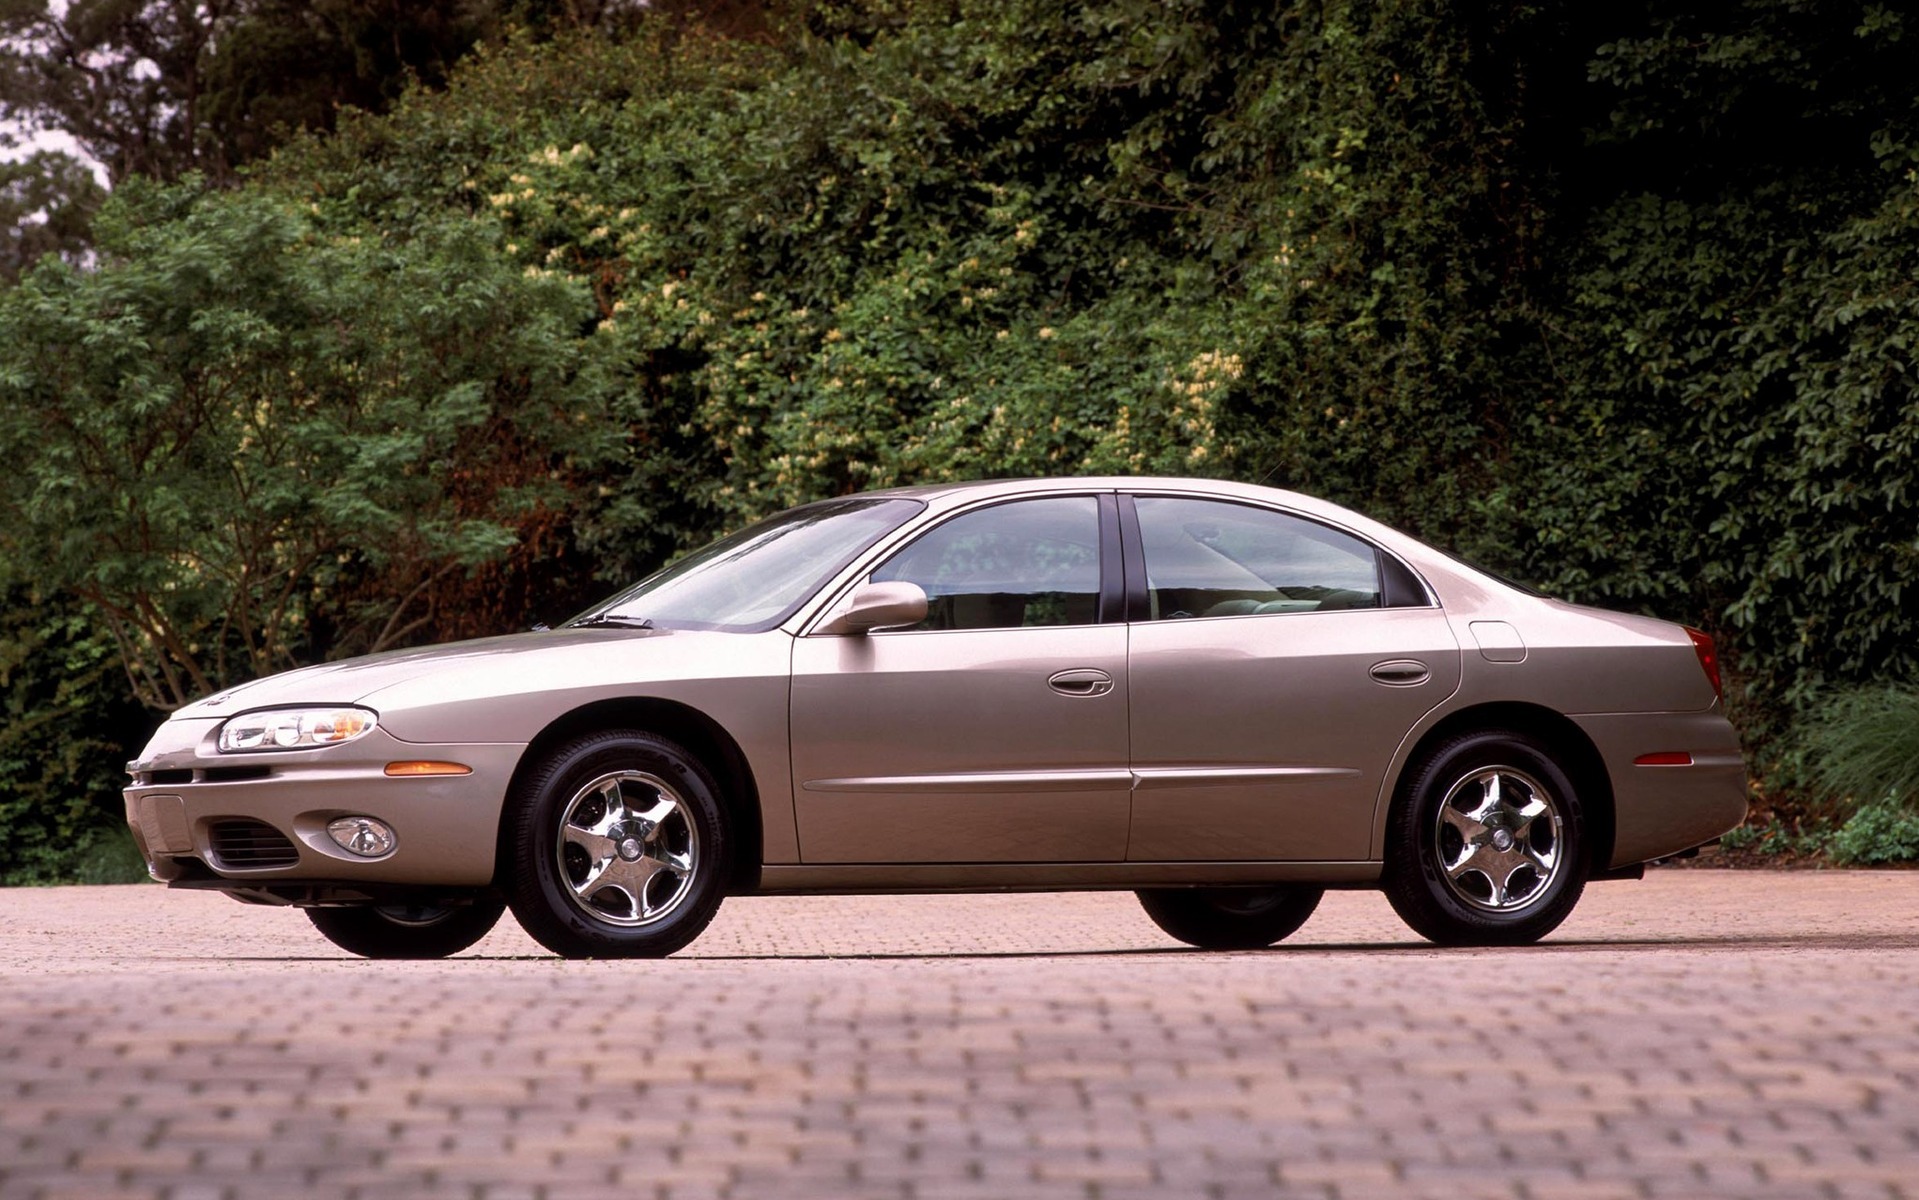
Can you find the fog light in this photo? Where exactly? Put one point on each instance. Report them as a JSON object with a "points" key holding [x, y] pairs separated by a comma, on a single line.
{"points": [[363, 836]]}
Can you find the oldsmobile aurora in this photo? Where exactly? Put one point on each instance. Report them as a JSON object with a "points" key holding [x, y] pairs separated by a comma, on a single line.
{"points": [[1224, 697]]}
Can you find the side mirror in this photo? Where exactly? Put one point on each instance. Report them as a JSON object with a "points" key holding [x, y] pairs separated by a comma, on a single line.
{"points": [[877, 605]]}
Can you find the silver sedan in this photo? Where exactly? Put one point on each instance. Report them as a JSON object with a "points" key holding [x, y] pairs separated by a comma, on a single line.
{"points": [[1226, 698]]}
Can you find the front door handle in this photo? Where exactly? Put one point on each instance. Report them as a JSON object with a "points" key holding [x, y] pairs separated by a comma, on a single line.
{"points": [[1401, 672], [1081, 681]]}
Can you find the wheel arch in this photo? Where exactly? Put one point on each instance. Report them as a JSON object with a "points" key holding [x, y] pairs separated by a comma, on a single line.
{"points": [[700, 734], [1569, 744]]}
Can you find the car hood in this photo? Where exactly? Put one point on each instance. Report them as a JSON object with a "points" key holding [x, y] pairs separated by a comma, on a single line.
{"points": [[352, 680]]}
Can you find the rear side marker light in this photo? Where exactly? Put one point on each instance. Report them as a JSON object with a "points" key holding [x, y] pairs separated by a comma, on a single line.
{"points": [[427, 768], [1664, 758]]}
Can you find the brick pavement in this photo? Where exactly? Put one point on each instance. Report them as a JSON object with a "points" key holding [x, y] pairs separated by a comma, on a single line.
{"points": [[1698, 1034]]}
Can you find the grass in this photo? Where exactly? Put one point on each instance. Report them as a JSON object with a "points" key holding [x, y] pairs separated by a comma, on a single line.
{"points": [[1864, 745]]}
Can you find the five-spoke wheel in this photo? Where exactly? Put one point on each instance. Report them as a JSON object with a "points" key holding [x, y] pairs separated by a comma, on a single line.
{"points": [[1485, 842], [615, 847], [1498, 840], [628, 850]]}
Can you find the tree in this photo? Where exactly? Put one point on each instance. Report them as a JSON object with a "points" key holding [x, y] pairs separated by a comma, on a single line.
{"points": [[47, 201], [163, 87], [126, 79], [248, 445]]}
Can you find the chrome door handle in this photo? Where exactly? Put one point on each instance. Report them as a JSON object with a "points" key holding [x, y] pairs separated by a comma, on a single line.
{"points": [[1401, 672], [1081, 681]]}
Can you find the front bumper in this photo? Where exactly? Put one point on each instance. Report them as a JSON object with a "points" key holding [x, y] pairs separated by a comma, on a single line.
{"points": [[187, 800]]}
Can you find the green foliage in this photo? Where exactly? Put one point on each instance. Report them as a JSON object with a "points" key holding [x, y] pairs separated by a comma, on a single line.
{"points": [[1880, 832], [1864, 744], [47, 201], [1782, 838], [1734, 433], [65, 725], [246, 444], [1885, 830], [158, 89], [991, 241]]}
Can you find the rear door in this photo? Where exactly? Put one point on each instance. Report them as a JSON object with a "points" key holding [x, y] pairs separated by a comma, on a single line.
{"points": [[1276, 663]]}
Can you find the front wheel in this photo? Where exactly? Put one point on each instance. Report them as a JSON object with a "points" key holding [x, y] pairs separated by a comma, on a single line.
{"points": [[616, 847], [1230, 918], [408, 930], [1486, 845]]}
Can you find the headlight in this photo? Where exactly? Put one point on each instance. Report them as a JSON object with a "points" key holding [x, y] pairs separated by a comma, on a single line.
{"points": [[294, 728]]}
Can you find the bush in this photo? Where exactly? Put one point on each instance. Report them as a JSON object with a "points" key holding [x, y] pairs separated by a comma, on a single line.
{"points": [[247, 444], [1861, 749], [108, 855], [1789, 838], [1863, 745], [1885, 830], [66, 725]]}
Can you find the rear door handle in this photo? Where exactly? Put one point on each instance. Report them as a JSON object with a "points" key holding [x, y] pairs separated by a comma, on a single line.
{"points": [[1401, 672], [1081, 681]]}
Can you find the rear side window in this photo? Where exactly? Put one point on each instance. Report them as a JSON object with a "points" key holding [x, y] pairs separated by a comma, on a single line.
{"points": [[1208, 558]]}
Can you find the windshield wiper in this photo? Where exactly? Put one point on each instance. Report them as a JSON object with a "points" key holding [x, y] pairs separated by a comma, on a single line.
{"points": [[615, 619]]}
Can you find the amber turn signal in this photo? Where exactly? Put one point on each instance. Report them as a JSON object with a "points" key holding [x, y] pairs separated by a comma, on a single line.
{"points": [[428, 768]]}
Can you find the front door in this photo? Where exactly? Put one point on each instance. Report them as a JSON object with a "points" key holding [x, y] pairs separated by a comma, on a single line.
{"points": [[994, 731], [1279, 665]]}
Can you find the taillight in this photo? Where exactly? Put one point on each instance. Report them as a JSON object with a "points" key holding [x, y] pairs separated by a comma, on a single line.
{"points": [[1708, 660]]}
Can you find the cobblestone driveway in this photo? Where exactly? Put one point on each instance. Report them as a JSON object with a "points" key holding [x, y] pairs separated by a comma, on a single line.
{"points": [[1699, 1034]]}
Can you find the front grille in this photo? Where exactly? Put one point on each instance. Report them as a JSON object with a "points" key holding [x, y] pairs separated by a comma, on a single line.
{"points": [[239, 845], [167, 778]]}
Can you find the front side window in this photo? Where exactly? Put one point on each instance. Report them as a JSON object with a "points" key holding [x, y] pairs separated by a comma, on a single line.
{"points": [[1207, 558], [1031, 562]]}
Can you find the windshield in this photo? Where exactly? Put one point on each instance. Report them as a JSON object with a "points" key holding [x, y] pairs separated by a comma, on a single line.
{"points": [[758, 577]]}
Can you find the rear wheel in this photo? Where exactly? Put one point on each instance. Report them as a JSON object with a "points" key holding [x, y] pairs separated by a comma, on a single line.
{"points": [[1230, 918], [1486, 845], [424, 930], [617, 847]]}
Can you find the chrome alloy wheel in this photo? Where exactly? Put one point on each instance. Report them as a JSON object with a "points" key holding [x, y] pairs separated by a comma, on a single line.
{"points": [[627, 849], [1498, 840]]}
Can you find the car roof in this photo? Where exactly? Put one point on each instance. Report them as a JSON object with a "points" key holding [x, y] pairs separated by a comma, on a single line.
{"points": [[969, 490], [1082, 483]]}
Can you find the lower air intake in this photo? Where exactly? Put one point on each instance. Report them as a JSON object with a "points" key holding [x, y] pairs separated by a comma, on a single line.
{"points": [[244, 845]]}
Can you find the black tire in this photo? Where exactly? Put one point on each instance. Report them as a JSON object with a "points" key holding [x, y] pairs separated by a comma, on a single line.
{"points": [[1231, 918], [408, 930], [1441, 879], [644, 906]]}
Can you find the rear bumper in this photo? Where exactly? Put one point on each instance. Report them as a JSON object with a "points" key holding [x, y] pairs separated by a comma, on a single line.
{"points": [[446, 827], [1662, 810]]}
